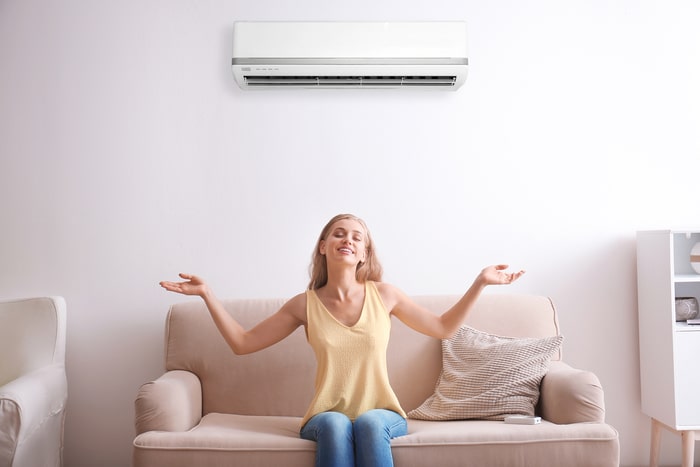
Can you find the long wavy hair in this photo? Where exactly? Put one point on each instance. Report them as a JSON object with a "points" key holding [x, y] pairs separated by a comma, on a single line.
{"points": [[370, 269]]}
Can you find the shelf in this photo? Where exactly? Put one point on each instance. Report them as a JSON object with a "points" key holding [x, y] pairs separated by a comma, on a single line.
{"points": [[668, 349], [682, 326], [686, 278]]}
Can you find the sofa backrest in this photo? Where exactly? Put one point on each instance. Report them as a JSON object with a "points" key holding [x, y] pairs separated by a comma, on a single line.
{"points": [[280, 380], [32, 335]]}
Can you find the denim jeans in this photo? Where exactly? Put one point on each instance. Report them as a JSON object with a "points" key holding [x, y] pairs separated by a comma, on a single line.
{"points": [[364, 443]]}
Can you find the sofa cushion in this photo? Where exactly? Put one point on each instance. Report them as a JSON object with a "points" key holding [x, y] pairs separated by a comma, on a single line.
{"points": [[479, 443], [487, 377], [260, 441], [221, 440]]}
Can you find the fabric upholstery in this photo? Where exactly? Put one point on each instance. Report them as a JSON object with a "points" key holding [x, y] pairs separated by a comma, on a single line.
{"points": [[222, 373], [251, 405], [270, 441], [570, 395], [33, 385], [487, 377], [171, 403]]}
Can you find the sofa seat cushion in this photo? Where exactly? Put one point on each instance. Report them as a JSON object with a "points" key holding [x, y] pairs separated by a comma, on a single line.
{"points": [[272, 440], [219, 439], [234, 432], [478, 443]]}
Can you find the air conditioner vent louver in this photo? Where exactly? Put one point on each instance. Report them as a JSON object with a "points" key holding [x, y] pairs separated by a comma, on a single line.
{"points": [[349, 81]]}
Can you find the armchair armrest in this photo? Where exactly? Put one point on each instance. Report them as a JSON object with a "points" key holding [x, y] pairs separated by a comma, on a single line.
{"points": [[173, 402], [569, 395], [29, 402]]}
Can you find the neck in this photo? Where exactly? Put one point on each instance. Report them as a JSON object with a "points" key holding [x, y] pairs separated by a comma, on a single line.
{"points": [[341, 283]]}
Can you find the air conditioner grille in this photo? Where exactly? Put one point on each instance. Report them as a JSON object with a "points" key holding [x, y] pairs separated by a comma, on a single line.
{"points": [[349, 81]]}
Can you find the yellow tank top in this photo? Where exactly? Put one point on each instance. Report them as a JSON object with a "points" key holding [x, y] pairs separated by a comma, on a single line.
{"points": [[351, 373]]}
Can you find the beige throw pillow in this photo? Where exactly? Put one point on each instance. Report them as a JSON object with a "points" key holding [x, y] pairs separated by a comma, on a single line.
{"points": [[488, 377]]}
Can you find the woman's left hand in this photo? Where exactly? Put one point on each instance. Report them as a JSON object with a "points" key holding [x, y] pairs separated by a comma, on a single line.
{"points": [[497, 274]]}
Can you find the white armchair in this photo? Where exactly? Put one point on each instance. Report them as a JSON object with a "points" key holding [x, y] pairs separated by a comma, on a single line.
{"points": [[33, 386]]}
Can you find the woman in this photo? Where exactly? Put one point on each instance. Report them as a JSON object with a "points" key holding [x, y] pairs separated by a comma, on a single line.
{"points": [[346, 312]]}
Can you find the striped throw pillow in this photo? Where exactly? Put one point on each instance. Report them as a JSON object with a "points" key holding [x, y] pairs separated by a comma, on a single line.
{"points": [[488, 377]]}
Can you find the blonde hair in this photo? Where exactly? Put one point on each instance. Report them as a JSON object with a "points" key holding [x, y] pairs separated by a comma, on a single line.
{"points": [[370, 269]]}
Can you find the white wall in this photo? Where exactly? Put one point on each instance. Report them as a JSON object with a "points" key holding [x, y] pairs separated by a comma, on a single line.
{"points": [[128, 155]]}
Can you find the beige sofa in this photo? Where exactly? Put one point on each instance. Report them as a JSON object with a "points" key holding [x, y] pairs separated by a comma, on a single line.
{"points": [[213, 408]]}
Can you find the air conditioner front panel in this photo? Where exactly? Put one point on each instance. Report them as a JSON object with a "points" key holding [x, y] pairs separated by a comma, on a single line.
{"points": [[334, 39]]}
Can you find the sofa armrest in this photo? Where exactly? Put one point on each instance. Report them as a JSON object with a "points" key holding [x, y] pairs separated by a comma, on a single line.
{"points": [[569, 395], [27, 403], [173, 402]]}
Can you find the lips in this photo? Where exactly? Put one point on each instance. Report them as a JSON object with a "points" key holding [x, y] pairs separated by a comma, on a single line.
{"points": [[345, 250]]}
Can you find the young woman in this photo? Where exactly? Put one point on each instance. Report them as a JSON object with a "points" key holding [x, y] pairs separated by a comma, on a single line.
{"points": [[346, 312]]}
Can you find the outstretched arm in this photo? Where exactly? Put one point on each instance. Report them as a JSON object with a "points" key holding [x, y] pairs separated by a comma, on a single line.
{"points": [[242, 341], [445, 325]]}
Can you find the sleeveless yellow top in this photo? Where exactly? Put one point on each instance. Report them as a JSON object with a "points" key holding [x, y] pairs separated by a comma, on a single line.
{"points": [[351, 376]]}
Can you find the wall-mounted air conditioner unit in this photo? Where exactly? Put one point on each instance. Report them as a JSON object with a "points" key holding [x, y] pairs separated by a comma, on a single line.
{"points": [[425, 55]]}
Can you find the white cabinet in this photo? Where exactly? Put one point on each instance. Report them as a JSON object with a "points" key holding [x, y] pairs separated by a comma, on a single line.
{"points": [[687, 381], [669, 350]]}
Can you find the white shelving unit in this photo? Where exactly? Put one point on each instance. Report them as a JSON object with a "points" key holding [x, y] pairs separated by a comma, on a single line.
{"points": [[669, 350]]}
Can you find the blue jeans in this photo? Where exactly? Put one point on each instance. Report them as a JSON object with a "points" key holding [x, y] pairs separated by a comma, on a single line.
{"points": [[364, 443]]}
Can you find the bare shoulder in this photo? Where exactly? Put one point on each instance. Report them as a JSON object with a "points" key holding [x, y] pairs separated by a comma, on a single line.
{"points": [[392, 296], [296, 307], [397, 302], [409, 312]]}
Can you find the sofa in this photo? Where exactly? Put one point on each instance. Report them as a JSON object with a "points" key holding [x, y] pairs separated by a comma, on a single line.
{"points": [[214, 408], [33, 384]]}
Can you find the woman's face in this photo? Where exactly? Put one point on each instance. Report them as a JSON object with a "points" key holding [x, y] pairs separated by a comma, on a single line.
{"points": [[345, 242]]}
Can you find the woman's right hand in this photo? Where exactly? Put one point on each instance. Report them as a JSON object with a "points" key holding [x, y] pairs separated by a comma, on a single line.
{"points": [[192, 285]]}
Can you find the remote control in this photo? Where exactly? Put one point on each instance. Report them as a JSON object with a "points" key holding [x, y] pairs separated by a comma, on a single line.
{"points": [[522, 420]]}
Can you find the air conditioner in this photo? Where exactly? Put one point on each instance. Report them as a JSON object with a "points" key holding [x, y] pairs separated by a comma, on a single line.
{"points": [[410, 55]]}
